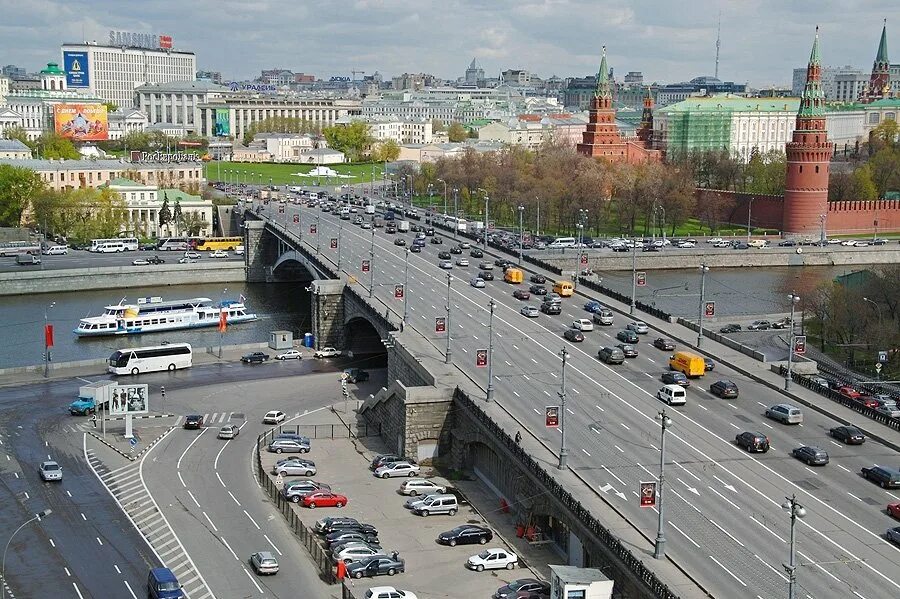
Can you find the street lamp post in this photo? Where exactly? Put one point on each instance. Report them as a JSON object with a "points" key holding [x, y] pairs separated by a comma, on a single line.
{"points": [[455, 212], [537, 228], [447, 354], [663, 227], [633, 274], [794, 299], [563, 450], [406, 290], [38, 516], [490, 385], [445, 195], [319, 234], [659, 548], [877, 307], [521, 233], [340, 244], [703, 270], [487, 220], [46, 344], [797, 511], [749, 209], [372, 265], [822, 219]]}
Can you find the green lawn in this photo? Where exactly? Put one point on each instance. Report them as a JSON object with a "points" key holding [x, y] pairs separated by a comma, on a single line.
{"points": [[280, 174]]}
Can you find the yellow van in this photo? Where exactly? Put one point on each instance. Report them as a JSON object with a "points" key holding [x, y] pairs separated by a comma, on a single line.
{"points": [[513, 275], [563, 288], [690, 364]]}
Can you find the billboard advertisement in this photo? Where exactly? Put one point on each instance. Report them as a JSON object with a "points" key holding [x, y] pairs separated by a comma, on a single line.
{"points": [[223, 122], [128, 399], [75, 65], [81, 122]]}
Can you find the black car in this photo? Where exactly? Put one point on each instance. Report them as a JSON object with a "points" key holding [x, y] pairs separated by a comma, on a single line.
{"points": [[787, 243], [724, 389], [357, 375], [256, 357], [888, 478], [848, 434], [663, 343], [523, 587], [627, 336], [155, 260], [429, 231], [437, 240], [812, 456], [674, 377], [629, 350], [476, 253], [375, 566], [416, 249], [416, 229], [574, 335], [730, 328], [385, 458], [331, 524], [753, 442], [781, 323], [486, 275], [552, 308], [443, 255], [502, 263], [539, 279], [538, 290], [399, 241], [193, 421], [467, 534], [456, 250], [708, 364]]}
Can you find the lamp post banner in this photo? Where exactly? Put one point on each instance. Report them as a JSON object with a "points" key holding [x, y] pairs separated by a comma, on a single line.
{"points": [[648, 494]]}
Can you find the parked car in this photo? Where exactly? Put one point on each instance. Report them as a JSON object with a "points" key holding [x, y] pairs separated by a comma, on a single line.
{"points": [[492, 559], [627, 336], [813, 456], [375, 566], [354, 551], [574, 335], [664, 344], [523, 587], [327, 352], [389, 593], [894, 509], [888, 478], [357, 375], [758, 325], [229, 431], [50, 471], [753, 441], [423, 486], [333, 523], [530, 311], [291, 354], [273, 417], [673, 377], [323, 499], [263, 562], [848, 434], [386, 458], [397, 469], [467, 534], [295, 467], [730, 328], [724, 389], [193, 421], [638, 327], [256, 357], [346, 535], [785, 413], [781, 323], [288, 445]]}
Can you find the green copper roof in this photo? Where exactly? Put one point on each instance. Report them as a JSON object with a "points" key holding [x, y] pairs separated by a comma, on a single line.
{"points": [[812, 102], [882, 55], [53, 69], [727, 103], [814, 57], [603, 89]]}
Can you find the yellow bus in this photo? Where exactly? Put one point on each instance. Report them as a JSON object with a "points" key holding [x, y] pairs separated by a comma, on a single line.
{"points": [[219, 243]]}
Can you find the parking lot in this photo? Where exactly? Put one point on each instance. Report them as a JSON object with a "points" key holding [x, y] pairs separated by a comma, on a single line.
{"points": [[432, 570]]}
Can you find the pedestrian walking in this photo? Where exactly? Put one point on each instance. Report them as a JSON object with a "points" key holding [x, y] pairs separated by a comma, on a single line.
{"points": [[518, 437]]}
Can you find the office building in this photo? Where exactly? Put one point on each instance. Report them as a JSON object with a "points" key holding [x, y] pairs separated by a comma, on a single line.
{"points": [[60, 175], [177, 103], [232, 115], [698, 86]]}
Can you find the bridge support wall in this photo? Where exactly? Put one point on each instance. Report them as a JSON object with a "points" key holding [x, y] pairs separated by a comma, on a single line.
{"points": [[255, 255], [328, 313]]}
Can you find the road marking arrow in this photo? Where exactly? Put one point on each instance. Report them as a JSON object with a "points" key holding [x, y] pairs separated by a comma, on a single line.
{"points": [[726, 485], [608, 487], [690, 488]]}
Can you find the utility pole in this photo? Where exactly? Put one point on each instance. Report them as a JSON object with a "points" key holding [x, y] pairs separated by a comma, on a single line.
{"points": [[797, 511], [490, 385], [405, 290], [47, 340], [372, 265], [749, 209], [538, 227], [659, 548], [487, 220], [447, 354], [456, 212], [633, 274], [794, 299], [703, 270], [521, 233], [563, 450]]}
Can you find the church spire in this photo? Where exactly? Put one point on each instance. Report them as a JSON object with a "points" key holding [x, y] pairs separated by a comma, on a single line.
{"points": [[812, 102], [603, 88], [814, 56], [882, 56]]}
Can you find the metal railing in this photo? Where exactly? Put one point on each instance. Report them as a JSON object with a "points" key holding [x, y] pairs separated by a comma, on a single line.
{"points": [[328, 431]]}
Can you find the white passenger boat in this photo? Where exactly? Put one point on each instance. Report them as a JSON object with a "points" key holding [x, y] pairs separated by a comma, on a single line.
{"points": [[152, 314]]}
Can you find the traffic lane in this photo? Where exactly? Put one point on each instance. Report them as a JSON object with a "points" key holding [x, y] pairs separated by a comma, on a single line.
{"points": [[85, 259]]}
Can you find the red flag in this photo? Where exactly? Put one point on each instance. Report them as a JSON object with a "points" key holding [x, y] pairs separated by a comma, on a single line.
{"points": [[48, 335], [223, 321]]}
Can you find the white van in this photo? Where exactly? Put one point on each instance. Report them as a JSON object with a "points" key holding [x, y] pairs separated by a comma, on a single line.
{"points": [[56, 250], [437, 504], [370, 209], [562, 242], [111, 247], [674, 395]]}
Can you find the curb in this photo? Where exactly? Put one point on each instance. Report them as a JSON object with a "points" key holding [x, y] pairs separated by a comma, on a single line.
{"points": [[131, 456]]}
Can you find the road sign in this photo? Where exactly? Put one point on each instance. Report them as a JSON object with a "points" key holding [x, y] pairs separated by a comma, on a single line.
{"points": [[133, 441], [279, 481], [365, 266], [800, 344], [398, 291], [882, 357], [481, 358], [552, 416], [440, 324], [491, 226], [584, 259], [296, 218], [334, 243], [709, 309], [648, 494], [878, 367], [640, 279], [312, 229]]}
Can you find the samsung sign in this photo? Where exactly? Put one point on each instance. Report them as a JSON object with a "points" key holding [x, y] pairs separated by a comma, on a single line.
{"points": [[151, 41], [264, 88]]}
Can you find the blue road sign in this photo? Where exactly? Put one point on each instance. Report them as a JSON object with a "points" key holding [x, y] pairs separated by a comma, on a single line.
{"points": [[133, 442]]}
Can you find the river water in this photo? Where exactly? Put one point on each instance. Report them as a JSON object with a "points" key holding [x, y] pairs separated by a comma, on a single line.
{"points": [[282, 306]]}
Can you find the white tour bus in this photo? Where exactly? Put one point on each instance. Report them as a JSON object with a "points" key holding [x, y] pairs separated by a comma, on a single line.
{"points": [[110, 247], [136, 360], [128, 243], [561, 242]]}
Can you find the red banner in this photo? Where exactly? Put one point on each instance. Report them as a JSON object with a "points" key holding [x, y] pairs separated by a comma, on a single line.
{"points": [[296, 218], [584, 259], [334, 243], [641, 279], [800, 344], [398, 291], [223, 321], [281, 209], [481, 358], [709, 309], [48, 335], [552, 417], [648, 494], [312, 229], [365, 266], [440, 324]]}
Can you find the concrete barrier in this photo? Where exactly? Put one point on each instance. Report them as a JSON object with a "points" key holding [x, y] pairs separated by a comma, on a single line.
{"points": [[744, 349]]}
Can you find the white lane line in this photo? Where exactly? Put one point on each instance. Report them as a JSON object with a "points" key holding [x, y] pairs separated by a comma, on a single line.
{"points": [[771, 567], [252, 520], [843, 468], [272, 544], [235, 498], [210, 522], [221, 481], [729, 571], [117, 569], [197, 503], [67, 571], [767, 425], [761, 403], [651, 359], [853, 496], [672, 524], [78, 591], [533, 360], [128, 586], [733, 538], [535, 410], [813, 562], [619, 448], [553, 374], [570, 411], [547, 393], [186, 449], [681, 497], [181, 479], [697, 478], [833, 443], [811, 471], [508, 363], [734, 425], [252, 579], [224, 542], [52, 544], [577, 392], [599, 408], [526, 377], [648, 375], [702, 407], [516, 393], [83, 517], [625, 426], [642, 467], [612, 474], [736, 506], [585, 452], [224, 445], [515, 346]]}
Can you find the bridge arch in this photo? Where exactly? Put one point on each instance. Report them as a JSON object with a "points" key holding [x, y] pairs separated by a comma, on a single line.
{"points": [[295, 263], [362, 337]]}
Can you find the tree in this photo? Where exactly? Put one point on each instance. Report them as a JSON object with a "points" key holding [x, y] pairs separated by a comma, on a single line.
{"points": [[386, 151], [193, 223], [885, 165], [19, 134], [862, 187], [165, 214], [353, 139], [437, 125], [17, 186], [51, 146], [456, 132], [111, 106]]}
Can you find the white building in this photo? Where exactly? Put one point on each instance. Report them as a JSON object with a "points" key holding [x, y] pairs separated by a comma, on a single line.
{"points": [[849, 86], [532, 130], [283, 147], [125, 121], [177, 102], [399, 130], [13, 149], [143, 203], [112, 72], [60, 175], [232, 115]]}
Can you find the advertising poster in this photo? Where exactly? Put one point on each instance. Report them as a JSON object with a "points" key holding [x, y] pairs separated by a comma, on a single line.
{"points": [[128, 399], [75, 65], [223, 122], [81, 122]]}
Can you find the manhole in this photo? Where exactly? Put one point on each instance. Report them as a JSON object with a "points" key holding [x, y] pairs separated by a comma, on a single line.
{"points": [[743, 418], [806, 485], [871, 501]]}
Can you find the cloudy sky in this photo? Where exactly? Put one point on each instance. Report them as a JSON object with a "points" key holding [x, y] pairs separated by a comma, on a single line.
{"points": [[668, 40]]}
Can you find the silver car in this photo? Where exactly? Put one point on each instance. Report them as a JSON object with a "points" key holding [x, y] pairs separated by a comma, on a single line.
{"points": [[288, 446], [229, 431], [397, 469], [298, 467], [264, 562], [420, 486], [638, 327], [50, 470]]}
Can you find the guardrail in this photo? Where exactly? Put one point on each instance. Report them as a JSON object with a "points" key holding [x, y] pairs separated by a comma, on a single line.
{"points": [[618, 549], [720, 338], [307, 537], [850, 377], [332, 431]]}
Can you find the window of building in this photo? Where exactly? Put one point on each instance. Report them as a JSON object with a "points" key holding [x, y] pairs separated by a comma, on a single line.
{"points": [[817, 168]]}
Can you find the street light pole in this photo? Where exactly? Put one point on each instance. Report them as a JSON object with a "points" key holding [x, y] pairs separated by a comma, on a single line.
{"points": [[521, 232], [340, 245], [405, 290], [703, 270], [372, 265], [794, 299], [319, 234], [537, 228], [633, 274], [797, 511], [46, 345], [659, 548], [455, 212], [563, 450], [822, 219], [445, 195], [447, 354], [490, 385], [749, 209], [38, 516], [487, 220], [877, 307]]}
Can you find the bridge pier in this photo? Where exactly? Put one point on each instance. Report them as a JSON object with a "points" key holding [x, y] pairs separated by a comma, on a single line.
{"points": [[328, 313], [255, 258]]}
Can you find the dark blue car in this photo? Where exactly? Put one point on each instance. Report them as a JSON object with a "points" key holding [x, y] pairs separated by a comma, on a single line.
{"points": [[592, 307]]}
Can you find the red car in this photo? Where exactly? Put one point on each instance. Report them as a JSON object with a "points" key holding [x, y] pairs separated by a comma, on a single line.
{"points": [[894, 510], [867, 400], [521, 294], [324, 499], [848, 391]]}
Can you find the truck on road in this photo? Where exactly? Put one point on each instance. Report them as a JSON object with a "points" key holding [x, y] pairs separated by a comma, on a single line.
{"points": [[89, 397], [403, 226]]}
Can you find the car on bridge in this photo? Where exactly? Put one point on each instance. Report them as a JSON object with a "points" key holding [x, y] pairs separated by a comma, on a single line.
{"points": [[752, 441], [50, 471], [477, 282], [456, 250], [400, 241], [664, 344], [887, 478], [551, 308], [628, 350], [603, 316], [611, 355], [486, 275], [530, 311], [593, 306], [327, 352], [674, 377], [538, 290], [785, 413], [495, 558], [574, 335], [638, 327], [462, 262], [848, 434], [437, 240], [521, 294], [476, 253], [446, 264], [219, 254], [627, 336], [444, 255], [724, 389], [538, 278], [812, 456]]}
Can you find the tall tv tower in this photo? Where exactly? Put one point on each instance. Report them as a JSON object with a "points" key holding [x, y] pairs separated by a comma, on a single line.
{"points": [[718, 43]]}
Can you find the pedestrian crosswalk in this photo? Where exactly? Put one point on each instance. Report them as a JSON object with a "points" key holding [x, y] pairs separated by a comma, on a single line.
{"points": [[126, 485], [79, 425], [215, 418]]}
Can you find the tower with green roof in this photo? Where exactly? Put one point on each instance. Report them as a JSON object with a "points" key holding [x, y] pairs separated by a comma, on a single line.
{"points": [[879, 86]]}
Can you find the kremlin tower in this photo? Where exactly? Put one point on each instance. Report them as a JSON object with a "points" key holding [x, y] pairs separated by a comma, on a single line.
{"points": [[880, 81], [808, 155]]}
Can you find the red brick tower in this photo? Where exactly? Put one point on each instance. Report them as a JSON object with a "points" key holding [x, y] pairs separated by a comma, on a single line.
{"points": [[602, 131], [645, 131], [808, 157], [880, 81]]}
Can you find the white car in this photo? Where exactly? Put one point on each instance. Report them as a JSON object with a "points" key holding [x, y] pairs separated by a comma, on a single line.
{"points": [[583, 324], [848, 243], [389, 593], [446, 264], [530, 311], [56, 250], [477, 282], [715, 240], [423, 486], [291, 354], [193, 255], [686, 244], [638, 327], [219, 254], [462, 262], [327, 352], [186, 261], [50, 470], [356, 553], [273, 417], [721, 244], [239, 250], [397, 469], [140, 262], [492, 559]]}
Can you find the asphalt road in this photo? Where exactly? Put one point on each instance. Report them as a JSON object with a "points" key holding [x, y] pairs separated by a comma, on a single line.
{"points": [[723, 519], [85, 259]]}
